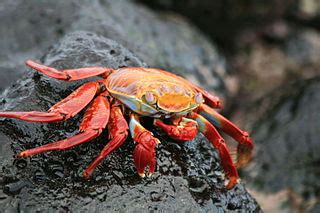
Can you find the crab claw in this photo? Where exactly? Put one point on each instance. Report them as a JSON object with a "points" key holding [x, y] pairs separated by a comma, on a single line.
{"points": [[144, 154]]}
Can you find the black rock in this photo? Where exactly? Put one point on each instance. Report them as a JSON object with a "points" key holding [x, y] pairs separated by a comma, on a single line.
{"points": [[225, 21], [188, 175], [287, 140], [164, 41]]}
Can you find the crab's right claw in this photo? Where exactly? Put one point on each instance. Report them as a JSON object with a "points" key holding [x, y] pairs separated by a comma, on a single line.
{"points": [[144, 154]]}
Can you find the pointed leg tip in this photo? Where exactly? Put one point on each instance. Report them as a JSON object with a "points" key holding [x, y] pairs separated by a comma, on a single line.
{"points": [[149, 174], [22, 154], [142, 175], [29, 62], [86, 175], [231, 182]]}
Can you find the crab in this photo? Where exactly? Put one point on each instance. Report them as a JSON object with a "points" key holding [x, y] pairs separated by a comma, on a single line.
{"points": [[178, 107]]}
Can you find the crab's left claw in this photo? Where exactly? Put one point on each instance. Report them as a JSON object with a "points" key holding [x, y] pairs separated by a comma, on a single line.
{"points": [[144, 153]]}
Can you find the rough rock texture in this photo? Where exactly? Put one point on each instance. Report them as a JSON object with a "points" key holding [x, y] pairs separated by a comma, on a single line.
{"points": [[188, 177], [287, 140], [163, 41]]}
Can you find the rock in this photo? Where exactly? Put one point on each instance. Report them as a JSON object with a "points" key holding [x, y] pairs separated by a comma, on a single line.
{"points": [[28, 37], [163, 41], [188, 178], [269, 56], [309, 9], [287, 141], [226, 21]]}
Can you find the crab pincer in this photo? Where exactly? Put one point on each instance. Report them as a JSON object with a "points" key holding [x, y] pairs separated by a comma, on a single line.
{"points": [[144, 152]]}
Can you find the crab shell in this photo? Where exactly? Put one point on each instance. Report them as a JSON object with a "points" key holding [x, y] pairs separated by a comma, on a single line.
{"points": [[153, 92]]}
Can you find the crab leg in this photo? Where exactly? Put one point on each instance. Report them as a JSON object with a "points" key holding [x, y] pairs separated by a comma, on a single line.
{"points": [[184, 129], [70, 74], [218, 142], [65, 109], [245, 146], [94, 121], [118, 132], [144, 154]]}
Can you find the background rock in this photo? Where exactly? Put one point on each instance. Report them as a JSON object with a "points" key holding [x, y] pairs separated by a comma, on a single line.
{"points": [[224, 21], [272, 58], [163, 41], [286, 131], [188, 175]]}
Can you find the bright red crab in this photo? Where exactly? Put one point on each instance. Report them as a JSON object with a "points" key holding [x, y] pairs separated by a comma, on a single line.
{"points": [[178, 107]]}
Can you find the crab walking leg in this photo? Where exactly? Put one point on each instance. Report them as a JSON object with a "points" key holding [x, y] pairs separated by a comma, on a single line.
{"points": [[118, 132], [218, 142], [184, 129], [65, 109], [144, 152], [70, 74], [94, 121], [245, 146]]}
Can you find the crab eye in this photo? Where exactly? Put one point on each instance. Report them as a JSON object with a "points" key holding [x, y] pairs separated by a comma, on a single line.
{"points": [[150, 98], [198, 98]]}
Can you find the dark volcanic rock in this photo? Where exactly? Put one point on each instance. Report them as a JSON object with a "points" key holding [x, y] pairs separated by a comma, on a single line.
{"points": [[287, 138], [188, 175], [226, 20], [27, 29], [163, 41], [267, 60]]}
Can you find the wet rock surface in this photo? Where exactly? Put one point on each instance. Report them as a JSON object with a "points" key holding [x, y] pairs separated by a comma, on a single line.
{"points": [[162, 40], [287, 138], [188, 178]]}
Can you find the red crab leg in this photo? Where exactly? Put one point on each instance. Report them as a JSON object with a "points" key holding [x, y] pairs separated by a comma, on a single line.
{"points": [[94, 121], [118, 132], [245, 146], [218, 142], [144, 152], [70, 74], [184, 129], [65, 109]]}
